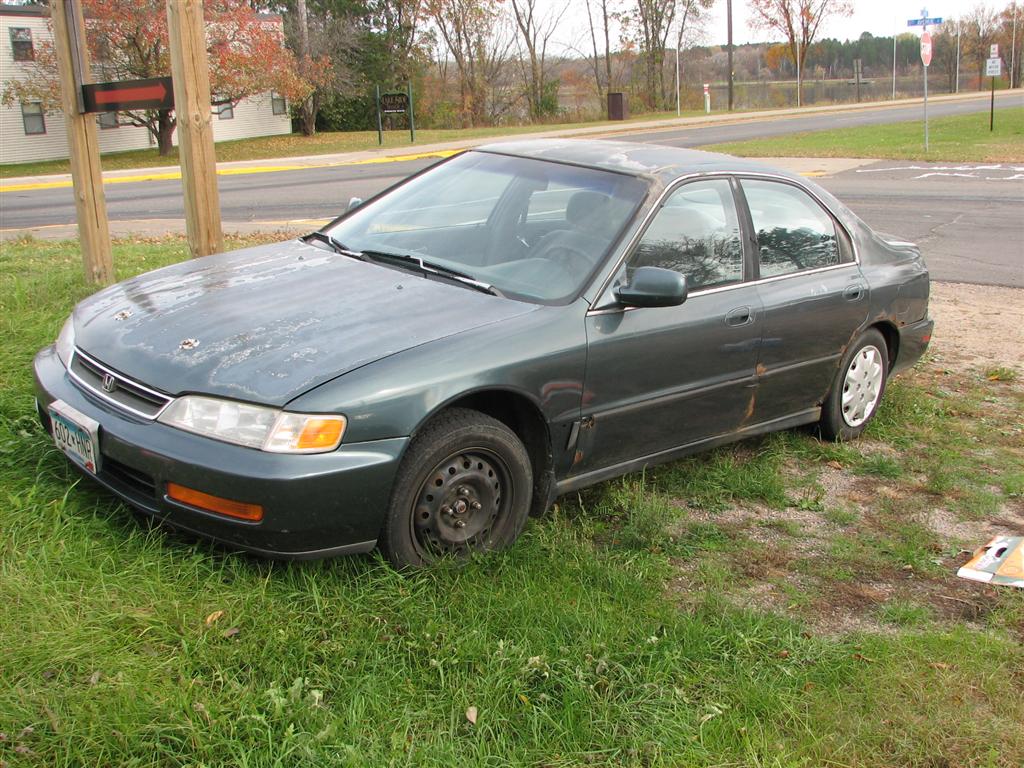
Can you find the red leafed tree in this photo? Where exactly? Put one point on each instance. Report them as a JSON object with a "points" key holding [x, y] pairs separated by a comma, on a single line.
{"points": [[797, 20], [128, 40]]}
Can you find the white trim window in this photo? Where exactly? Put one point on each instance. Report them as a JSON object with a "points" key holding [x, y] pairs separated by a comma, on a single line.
{"points": [[108, 120], [278, 104], [32, 118], [225, 111]]}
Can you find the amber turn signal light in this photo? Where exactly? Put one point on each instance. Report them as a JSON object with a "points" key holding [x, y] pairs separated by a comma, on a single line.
{"points": [[210, 503]]}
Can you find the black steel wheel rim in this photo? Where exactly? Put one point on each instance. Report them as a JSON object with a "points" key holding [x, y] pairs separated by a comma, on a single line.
{"points": [[461, 503]]}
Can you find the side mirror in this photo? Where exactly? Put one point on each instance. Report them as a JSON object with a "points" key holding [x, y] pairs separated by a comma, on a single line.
{"points": [[653, 287], [353, 203]]}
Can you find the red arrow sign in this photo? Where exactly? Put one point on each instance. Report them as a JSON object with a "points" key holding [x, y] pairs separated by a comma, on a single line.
{"points": [[152, 93], [121, 95]]}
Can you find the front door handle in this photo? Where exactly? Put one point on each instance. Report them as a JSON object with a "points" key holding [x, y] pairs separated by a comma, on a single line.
{"points": [[739, 316], [854, 292]]}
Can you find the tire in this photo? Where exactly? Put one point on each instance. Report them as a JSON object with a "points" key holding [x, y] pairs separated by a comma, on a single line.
{"points": [[858, 388], [464, 486]]}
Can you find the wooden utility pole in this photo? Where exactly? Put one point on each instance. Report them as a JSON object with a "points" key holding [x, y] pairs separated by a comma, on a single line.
{"points": [[83, 146], [191, 74]]}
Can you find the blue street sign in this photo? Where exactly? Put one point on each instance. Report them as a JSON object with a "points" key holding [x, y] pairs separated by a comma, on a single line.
{"points": [[923, 22]]}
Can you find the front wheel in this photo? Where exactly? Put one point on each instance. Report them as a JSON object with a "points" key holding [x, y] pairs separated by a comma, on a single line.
{"points": [[464, 486], [858, 388]]}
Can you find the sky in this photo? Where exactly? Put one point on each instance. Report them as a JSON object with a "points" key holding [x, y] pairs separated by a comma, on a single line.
{"points": [[879, 17]]}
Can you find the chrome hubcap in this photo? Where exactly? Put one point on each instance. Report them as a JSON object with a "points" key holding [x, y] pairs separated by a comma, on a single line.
{"points": [[862, 386]]}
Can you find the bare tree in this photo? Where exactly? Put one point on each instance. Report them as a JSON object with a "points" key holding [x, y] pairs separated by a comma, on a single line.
{"points": [[979, 31], [607, 14], [536, 28], [798, 20], [473, 34]]}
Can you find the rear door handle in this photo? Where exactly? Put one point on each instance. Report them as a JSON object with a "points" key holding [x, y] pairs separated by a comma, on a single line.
{"points": [[854, 292], [739, 316]]}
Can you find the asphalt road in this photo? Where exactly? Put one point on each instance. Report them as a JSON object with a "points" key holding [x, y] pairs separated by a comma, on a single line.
{"points": [[968, 221]]}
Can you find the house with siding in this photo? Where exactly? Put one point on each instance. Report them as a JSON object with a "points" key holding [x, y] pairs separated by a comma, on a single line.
{"points": [[27, 133]]}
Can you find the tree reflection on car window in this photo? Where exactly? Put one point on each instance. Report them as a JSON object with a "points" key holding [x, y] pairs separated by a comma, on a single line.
{"points": [[793, 232]]}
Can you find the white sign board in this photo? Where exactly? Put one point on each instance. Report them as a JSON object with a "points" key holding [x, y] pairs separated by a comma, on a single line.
{"points": [[993, 67], [993, 51]]}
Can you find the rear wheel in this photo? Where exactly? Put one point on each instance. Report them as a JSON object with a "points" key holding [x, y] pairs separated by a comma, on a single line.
{"points": [[464, 486], [858, 388]]}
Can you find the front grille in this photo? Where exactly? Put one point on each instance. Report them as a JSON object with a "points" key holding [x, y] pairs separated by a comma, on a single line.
{"points": [[116, 389]]}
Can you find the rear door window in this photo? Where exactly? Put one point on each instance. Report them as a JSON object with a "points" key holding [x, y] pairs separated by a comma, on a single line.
{"points": [[794, 233]]}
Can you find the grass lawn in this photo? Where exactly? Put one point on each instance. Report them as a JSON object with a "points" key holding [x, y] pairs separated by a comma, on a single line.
{"points": [[781, 602], [297, 145], [955, 138]]}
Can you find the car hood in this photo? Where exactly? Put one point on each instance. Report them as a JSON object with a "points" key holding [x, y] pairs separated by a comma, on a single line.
{"points": [[266, 324]]}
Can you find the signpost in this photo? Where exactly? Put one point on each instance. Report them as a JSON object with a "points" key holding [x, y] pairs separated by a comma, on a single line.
{"points": [[83, 145], [191, 72], [993, 69], [926, 58], [395, 103], [707, 98]]}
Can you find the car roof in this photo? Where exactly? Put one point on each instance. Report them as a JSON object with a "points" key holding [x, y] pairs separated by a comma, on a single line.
{"points": [[639, 159]]}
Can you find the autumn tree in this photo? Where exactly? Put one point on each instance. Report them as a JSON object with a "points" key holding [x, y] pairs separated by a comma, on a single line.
{"points": [[128, 40], [797, 20], [979, 30], [1010, 36]]}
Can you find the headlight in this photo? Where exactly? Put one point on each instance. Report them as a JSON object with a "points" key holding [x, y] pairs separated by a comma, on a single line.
{"points": [[255, 426], [66, 341]]}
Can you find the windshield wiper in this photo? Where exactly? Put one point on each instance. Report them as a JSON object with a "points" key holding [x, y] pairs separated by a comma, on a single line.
{"points": [[336, 246], [431, 268]]}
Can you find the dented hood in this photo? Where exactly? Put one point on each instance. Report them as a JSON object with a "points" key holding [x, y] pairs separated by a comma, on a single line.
{"points": [[267, 324]]}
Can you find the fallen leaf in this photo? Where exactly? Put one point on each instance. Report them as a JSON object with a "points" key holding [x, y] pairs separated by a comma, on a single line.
{"points": [[94, 677], [783, 654], [835, 464], [524, 698], [28, 730], [230, 632], [201, 709], [213, 617], [471, 715], [940, 665], [862, 657], [808, 686]]}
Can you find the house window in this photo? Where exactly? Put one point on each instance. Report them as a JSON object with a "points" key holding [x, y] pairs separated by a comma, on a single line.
{"points": [[108, 120], [225, 111], [32, 118], [277, 104], [21, 44]]}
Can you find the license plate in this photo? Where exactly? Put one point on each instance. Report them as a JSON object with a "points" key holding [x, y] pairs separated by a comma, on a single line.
{"points": [[76, 434]]}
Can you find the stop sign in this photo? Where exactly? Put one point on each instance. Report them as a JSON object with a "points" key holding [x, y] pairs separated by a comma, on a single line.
{"points": [[926, 49]]}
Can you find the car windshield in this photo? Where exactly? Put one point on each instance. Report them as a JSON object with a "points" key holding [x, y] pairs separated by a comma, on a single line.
{"points": [[533, 229]]}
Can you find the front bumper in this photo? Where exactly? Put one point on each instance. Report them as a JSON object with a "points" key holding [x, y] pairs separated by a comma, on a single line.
{"points": [[914, 340], [315, 505]]}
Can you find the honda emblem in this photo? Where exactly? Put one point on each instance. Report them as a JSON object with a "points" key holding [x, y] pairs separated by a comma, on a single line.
{"points": [[109, 383]]}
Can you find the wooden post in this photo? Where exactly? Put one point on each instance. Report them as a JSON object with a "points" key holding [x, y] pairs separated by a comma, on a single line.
{"points": [[83, 145], [191, 75]]}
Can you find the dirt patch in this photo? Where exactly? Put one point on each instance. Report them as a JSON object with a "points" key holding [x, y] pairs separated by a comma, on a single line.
{"points": [[871, 552], [978, 325]]}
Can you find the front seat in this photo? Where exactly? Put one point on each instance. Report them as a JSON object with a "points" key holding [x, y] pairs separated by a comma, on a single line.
{"points": [[579, 247]]}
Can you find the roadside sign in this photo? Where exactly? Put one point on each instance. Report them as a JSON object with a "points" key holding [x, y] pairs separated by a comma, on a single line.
{"points": [[394, 103], [993, 67], [707, 98], [924, 22], [993, 51], [926, 49], [151, 93]]}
